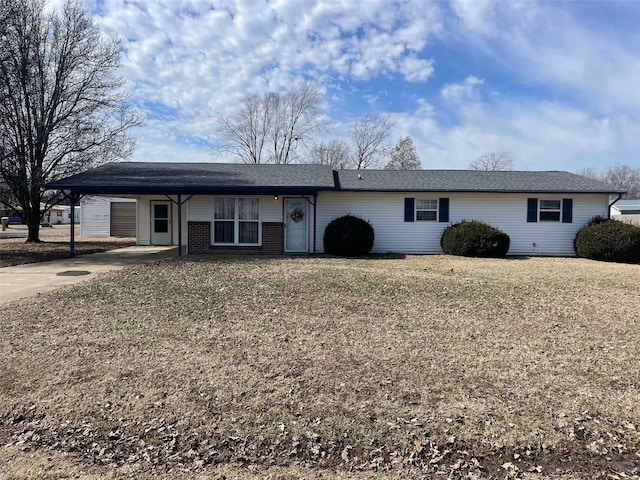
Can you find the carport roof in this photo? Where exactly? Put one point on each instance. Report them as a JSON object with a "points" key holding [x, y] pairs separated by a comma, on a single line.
{"points": [[204, 178]]}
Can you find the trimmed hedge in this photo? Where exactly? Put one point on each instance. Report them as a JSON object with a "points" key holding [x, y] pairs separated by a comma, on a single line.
{"points": [[609, 241], [474, 239], [348, 236]]}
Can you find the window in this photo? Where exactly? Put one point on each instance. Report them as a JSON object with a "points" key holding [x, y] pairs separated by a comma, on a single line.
{"points": [[426, 210], [550, 210], [236, 221]]}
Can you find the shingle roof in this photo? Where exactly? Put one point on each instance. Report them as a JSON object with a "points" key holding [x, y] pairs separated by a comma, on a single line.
{"points": [[208, 178], [174, 178], [470, 181]]}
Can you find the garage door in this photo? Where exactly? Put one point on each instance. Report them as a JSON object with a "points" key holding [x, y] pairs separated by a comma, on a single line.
{"points": [[123, 219]]}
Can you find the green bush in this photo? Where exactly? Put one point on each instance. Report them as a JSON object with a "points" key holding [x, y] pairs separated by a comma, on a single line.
{"points": [[596, 220], [348, 236], [474, 239], [609, 241]]}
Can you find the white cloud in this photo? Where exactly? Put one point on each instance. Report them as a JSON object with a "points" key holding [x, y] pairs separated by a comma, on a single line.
{"points": [[199, 58], [537, 134], [545, 44], [577, 100], [456, 92]]}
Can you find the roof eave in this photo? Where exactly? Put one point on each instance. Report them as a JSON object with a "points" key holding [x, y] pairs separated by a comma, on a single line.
{"points": [[469, 190], [187, 190]]}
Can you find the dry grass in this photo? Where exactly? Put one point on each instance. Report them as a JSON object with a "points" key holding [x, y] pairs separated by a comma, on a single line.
{"points": [[413, 366], [54, 246]]}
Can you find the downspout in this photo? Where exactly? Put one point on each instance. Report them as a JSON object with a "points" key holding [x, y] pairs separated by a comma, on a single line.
{"points": [[612, 204], [179, 225], [315, 203]]}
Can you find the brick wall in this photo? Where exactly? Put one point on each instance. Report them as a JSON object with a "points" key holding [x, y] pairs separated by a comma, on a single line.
{"points": [[272, 240], [198, 237]]}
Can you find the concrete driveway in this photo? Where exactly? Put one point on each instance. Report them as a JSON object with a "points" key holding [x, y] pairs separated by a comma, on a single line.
{"points": [[27, 280]]}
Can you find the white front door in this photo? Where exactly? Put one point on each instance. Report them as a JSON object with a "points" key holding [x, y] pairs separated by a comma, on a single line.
{"points": [[296, 225], [160, 223]]}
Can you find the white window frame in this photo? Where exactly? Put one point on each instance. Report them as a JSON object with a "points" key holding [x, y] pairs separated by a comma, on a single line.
{"points": [[418, 209], [236, 223], [550, 210]]}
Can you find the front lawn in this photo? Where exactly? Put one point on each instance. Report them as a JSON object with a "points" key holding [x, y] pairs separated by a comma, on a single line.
{"points": [[14, 251], [328, 368]]}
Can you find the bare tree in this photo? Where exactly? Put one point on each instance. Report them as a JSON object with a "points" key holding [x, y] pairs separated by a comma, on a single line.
{"points": [[492, 162], [404, 156], [370, 137], [590, 172], [335, 153], [625, 178], [245, 133], [268, 129], [62, 109]]}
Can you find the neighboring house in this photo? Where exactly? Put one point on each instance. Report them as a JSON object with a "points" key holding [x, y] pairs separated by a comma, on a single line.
{"points": [[60, 215], [626, 211], [274, 209], [108, 217]]}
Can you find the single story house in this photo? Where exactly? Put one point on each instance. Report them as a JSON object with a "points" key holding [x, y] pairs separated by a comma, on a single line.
{"points": [[275, 209], [626, 211], [108, 217], [60, 215]]}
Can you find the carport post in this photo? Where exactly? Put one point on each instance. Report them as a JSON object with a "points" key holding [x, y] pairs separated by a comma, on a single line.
{"points": [[315, 216], [72, 243]]}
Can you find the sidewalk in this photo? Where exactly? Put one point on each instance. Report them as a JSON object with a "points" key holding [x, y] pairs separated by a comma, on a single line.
{"points": [[27, 280]]}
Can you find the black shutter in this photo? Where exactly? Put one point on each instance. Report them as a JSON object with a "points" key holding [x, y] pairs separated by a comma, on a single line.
{"points": [[409, 207], [443, 207], [567, 210], [532, 209]]}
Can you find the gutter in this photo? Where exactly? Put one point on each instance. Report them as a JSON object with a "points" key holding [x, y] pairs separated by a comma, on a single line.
{"points": [[612, 204]]}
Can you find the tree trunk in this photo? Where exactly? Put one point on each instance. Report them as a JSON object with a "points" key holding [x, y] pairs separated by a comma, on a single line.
{"points": [[33, 224]]}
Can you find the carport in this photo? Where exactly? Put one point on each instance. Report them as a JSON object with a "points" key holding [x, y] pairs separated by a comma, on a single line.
{"points": [[178, 183]]}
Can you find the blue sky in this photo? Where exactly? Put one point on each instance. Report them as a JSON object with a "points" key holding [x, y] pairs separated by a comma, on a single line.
{"points": [[556, 85]]}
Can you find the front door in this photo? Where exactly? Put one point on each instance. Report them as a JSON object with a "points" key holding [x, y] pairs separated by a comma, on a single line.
{"points": [[296, 225], [160, 223]]}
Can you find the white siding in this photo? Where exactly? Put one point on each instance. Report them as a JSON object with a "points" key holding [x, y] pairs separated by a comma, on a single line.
{"points": [[144, 220], [633, 218], [271, 208], [508, 212], [201, 208], [95, 215]]}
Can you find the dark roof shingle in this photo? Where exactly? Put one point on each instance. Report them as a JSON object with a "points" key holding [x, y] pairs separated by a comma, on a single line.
{"points": [[470, 181], [173, 178], [210, 178]]}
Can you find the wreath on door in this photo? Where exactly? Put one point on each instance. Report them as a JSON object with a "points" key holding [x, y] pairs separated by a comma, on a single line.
{"points": [[297, 215]]}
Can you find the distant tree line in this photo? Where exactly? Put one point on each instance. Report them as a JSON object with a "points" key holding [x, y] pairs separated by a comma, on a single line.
{"points": [[284, 128], [619, 176]]}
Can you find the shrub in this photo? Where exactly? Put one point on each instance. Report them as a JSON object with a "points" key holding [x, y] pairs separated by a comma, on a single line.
{"points": [[609, 241], [474, 239], [596, 220], [348, 236]]}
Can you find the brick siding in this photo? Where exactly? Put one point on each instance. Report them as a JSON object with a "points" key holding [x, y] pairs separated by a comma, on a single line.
{"points": [[272, 240]]}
